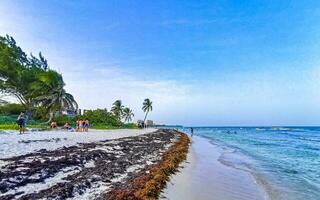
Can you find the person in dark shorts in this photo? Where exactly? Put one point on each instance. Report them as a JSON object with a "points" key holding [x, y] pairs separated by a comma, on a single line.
{"points": [[86, 125], [83, 125], [21, 121]]}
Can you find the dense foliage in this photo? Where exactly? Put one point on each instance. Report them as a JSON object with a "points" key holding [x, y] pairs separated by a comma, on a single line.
{"points": [[96, 117], [9, 122], [99, 118], [11, 109], [30, 80]]}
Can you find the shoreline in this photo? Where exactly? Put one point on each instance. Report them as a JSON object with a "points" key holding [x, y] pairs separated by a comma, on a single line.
{"points": [[150, 182], [204, 176]]}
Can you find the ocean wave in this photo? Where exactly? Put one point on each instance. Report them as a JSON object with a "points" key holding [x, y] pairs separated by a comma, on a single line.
{"points": [[240, 162], [285, 159]]}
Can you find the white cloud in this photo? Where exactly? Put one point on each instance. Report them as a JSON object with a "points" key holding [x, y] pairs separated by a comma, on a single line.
{"points": [[100, 87]]}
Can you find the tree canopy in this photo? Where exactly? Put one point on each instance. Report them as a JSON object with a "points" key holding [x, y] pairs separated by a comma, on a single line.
{"points": [[40, 89], [30, 80], [146, 107]]}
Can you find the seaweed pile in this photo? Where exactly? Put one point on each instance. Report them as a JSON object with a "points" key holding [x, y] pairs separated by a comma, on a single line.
{"points": [[149, 183]]}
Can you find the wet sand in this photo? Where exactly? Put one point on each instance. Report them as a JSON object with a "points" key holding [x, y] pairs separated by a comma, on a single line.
{"points": [[205, 177]]}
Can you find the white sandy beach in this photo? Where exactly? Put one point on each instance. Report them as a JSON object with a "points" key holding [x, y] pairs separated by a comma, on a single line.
{"points": [[90, 163], [13, 144], [204, 177]]}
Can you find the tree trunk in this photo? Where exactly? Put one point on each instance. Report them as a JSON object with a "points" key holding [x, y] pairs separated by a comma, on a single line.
{"points": [[145, 117], [50, 118]]}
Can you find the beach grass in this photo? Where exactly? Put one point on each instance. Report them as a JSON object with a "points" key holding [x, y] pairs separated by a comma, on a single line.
{"points": [[108, 127], [16, 127], [8, 122], [9, 127]]}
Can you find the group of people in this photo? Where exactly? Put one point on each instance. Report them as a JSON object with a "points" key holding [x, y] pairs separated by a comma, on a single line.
{"points": [[82, 125]]}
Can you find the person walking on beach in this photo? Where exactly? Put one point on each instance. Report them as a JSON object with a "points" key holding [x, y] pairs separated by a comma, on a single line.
{"points": [[83, 125], [86, 125], [21, 120], [191, 131]]}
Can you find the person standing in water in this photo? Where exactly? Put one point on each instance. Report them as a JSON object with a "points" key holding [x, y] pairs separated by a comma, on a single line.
{"points": [[22, 119], [191, 129]]}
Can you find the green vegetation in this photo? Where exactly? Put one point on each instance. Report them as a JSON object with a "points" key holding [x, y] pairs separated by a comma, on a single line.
{"points": [[117, 109], [11, 109], [8, 122], [31, 82], [99, 119], [127, 114], [124, 126], [41, 94], [146, 107], [15, 126]]}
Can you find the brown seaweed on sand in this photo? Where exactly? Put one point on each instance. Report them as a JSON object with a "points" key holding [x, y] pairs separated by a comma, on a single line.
{"points": [[97, 169], [148, 185]]}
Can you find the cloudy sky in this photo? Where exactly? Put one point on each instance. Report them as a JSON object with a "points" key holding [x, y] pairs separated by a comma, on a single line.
{"points": [[200, 62]]}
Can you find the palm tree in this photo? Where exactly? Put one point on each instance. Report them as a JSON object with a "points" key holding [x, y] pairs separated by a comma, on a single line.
{"points": [[52, 95], [127, 114], [117, 109], [58, 101], [146, 107]]}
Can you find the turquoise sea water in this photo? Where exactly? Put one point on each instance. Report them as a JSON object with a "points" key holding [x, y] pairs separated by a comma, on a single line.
{"points": [[285, 161]]}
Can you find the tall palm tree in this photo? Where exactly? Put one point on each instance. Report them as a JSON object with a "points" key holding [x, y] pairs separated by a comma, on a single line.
{"points": [[127, 114], [117, 109], [146, 107]]}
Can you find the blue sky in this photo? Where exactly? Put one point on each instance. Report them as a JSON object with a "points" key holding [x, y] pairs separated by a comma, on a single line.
{"points": [[200, 62]]}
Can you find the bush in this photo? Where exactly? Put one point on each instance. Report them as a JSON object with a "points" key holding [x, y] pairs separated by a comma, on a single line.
{"points": [[99, 119], [11, 109], [100, 116], [62, 119], [130, 125], [8, 119], [40, 113]]}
